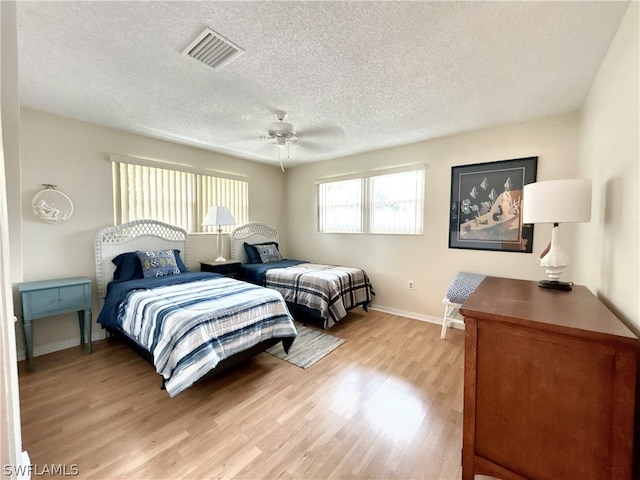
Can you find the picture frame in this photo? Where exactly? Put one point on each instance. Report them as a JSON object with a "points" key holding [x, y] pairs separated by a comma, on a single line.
{"points": [[486, 205]]}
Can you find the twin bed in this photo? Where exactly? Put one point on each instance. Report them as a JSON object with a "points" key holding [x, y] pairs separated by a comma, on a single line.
{"points": [[191, 323], [186, 323], [322, 294]]}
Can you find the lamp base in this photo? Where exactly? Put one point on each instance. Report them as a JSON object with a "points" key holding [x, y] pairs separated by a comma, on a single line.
{"points": [[220, 259], [555, 285]]}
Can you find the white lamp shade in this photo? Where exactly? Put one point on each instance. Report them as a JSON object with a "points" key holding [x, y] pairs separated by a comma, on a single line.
{"points": [[557, 201], [218, 216]]}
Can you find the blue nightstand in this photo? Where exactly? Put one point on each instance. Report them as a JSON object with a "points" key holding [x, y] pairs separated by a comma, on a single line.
{"points": [[54, 297]]}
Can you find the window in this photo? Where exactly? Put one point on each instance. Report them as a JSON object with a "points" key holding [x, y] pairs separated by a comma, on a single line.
{"points": [[390, 202], [180, 197], [341, 206]]}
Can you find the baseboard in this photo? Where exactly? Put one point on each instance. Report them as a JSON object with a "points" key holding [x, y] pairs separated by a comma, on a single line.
{"points": [[54, 347], [101, 335], [412, 315]]}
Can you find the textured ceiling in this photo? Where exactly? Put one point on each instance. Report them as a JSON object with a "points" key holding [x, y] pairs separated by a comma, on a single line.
{"points": [[353, 76]]}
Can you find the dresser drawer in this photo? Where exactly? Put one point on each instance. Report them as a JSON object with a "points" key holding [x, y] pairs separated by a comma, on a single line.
{"points": [[51, 301]]}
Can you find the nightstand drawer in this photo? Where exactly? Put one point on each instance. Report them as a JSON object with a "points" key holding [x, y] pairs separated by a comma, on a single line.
{"points": [[228, 268], [52, 301]]}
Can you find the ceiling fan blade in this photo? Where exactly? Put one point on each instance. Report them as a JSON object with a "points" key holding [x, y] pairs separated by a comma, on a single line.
{"points": [[257, 113], [324, 130], [310, 145], [255, 137]]}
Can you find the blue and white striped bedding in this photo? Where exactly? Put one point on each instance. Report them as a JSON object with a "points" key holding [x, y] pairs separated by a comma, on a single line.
{"points": [[190, 327], [330, 290]]}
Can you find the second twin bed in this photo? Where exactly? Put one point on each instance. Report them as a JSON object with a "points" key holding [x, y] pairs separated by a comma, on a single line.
{"points": [[322, 293]]}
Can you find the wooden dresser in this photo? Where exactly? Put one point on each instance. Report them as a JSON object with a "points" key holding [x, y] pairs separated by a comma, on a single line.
{"points": [[549, 384]]}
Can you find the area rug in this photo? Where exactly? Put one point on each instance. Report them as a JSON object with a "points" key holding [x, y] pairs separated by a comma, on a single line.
{"points": [[309, 346]]}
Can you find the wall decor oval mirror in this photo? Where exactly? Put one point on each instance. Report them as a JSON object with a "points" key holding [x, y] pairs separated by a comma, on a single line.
{"points": [[51, 205]]}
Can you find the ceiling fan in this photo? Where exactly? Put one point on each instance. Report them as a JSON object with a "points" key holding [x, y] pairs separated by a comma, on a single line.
{"points": [[283, 134]]}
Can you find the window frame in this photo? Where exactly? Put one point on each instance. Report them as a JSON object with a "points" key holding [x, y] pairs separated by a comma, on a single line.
{"points": [[359, 228], [195, 205], [366, 204]]}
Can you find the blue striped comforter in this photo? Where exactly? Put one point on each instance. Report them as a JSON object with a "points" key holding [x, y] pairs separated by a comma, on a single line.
{"points": [[190, 327]]}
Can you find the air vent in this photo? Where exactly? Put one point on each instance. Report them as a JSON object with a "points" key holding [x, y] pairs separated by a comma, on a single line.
{"points": [[212, 49]]}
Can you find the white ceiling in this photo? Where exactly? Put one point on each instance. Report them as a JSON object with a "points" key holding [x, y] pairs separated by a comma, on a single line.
{"points": [[354, 76]]}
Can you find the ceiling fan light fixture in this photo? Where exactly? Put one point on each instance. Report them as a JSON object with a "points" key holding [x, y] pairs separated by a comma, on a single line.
{"points": [[281, 134], [281, 129]]}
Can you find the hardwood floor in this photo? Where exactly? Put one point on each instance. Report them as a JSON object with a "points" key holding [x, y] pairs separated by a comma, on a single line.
{"points": [[386, 404]]}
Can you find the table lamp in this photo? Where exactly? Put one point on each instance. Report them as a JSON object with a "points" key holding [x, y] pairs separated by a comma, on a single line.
{"points": [[556, 201], [219, 216]]}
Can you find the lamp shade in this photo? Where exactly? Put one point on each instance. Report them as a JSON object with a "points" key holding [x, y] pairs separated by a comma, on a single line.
{"points": [[557, 201], [219, 216]]}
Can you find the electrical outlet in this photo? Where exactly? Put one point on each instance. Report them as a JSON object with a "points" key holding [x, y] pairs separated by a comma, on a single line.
{"points": [[412, 285]]}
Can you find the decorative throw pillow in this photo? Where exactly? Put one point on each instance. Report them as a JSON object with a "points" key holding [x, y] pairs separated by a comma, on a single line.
{"points": [[158, 263], [252, 251], [128, 266], [269, 253]]}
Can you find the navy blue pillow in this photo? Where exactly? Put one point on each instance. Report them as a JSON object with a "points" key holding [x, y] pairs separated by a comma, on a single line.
{"points": [[183, 268], [252, 251], [128, 266]]}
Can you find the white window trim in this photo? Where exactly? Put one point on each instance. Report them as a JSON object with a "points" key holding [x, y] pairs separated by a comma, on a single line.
{"points": [[366, 207], [147, 162]]}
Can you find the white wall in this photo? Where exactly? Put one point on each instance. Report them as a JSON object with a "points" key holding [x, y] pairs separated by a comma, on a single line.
{"points": [[607, 254], [599, 143], [11, 134], [10, 248], [392, 260], [74, 156]]}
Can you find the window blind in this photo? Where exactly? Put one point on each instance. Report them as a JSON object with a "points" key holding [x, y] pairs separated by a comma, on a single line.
{"points": [[341, 206], [388, 202], [182, 198]]}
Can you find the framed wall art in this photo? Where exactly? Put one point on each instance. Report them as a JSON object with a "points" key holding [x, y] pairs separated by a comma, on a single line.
{"points": [[486, 205]]}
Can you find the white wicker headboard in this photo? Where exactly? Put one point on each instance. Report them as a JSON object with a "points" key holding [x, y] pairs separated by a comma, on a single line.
{"points": [[137, 235], [252, 232]]}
